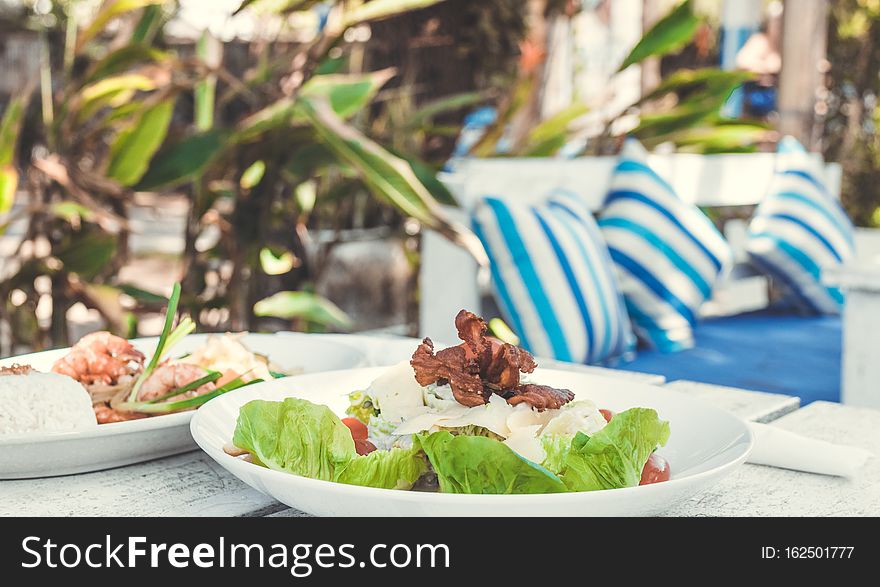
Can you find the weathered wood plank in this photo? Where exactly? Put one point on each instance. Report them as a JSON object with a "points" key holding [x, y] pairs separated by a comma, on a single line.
{"points": [[756, 406], [756, 490], [190, 484]]}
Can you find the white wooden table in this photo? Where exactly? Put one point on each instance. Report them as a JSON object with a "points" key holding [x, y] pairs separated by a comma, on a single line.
{"points": [[192, 484], [860, 383]]}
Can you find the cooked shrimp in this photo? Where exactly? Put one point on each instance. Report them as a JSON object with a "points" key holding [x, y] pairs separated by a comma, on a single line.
{"points": [[102, 358], [171, 376], [107, 415]]}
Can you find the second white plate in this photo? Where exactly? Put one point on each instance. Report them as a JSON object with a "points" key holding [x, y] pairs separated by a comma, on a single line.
{"points": [[124, 443]]}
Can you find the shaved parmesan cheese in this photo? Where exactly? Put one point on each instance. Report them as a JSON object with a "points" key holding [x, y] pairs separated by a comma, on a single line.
{"points": [[397, 393], [525, 442], [428, 421], [523, 415], [497, 416], [579, 416], [491, 416]]}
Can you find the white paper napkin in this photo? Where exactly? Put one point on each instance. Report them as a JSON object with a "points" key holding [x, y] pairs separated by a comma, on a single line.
{"points": [[780, 448]]}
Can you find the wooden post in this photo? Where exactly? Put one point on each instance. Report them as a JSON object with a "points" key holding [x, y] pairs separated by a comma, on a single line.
{"points": [[652, 11], [804, 39]]}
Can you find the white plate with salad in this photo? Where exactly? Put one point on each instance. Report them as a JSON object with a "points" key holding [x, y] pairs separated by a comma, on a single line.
{"points": [[107, 401], [471, 430]]}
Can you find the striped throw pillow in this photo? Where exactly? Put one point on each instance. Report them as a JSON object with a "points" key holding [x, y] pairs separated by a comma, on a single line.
{"points": [[553, 279], [668, 254], [798, 231]]}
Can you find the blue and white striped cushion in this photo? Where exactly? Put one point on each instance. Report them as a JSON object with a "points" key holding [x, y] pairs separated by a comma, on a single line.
{"points": [[798, 231], [668, 254], [553, 279]]}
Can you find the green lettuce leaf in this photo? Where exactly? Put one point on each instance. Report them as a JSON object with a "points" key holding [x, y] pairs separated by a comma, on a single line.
{"points": [[389, 469], [299, 437], [481, 465], [556, 449], [612, 457], [295, 436]]}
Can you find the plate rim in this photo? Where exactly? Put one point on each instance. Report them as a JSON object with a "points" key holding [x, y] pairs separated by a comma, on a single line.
{"points": [[437, 497], [102, 430]]}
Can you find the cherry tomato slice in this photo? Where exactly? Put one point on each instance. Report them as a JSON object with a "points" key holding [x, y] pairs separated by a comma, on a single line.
{"points": [[655, 471], [607, 414], [358, 428], [364, 446]]}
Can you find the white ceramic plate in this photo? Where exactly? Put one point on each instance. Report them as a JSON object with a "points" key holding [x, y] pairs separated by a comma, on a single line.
{"points": [[124, 443], [705, 444]]}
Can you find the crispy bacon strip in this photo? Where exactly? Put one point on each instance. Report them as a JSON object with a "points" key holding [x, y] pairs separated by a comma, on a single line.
{"points": [[452, 365], [540, 397], [506, 362], [472, 330], [482, 365]]}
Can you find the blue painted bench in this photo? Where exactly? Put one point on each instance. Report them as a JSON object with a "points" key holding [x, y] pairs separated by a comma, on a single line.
{"points": [[762, 351]]}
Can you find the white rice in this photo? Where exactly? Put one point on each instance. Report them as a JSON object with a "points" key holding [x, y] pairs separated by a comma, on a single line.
{"points": [[43, 402]]}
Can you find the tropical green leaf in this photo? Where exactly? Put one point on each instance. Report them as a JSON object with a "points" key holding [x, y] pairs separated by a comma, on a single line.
{"points": [[690, 80], [552, 134], [331, 65], [308, 158], [209, 50], [277, 6], [381, 9], [276, 263], [557, 124], [547, 148], [388, 177], [696, 109], [87, 252], [149, 25], [348, 94], [428, 176], [142, 295], [721, 138], [487, 146], [72, 211], [303, 305], [10, 127], [183, 160], [114, 92], [273, 116], [425, 114], [122, 59], [109, 11], [252, 176], [133, 149], [8, 187], [655, 128], [670, 33], [135, 82], [122, 112], [245, 4]]}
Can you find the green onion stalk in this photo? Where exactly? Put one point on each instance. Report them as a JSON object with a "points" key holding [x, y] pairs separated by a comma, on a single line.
{"points": [[171, 335]]}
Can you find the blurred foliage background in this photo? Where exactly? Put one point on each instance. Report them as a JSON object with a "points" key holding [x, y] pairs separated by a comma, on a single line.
{"points": [[851, 108]]}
